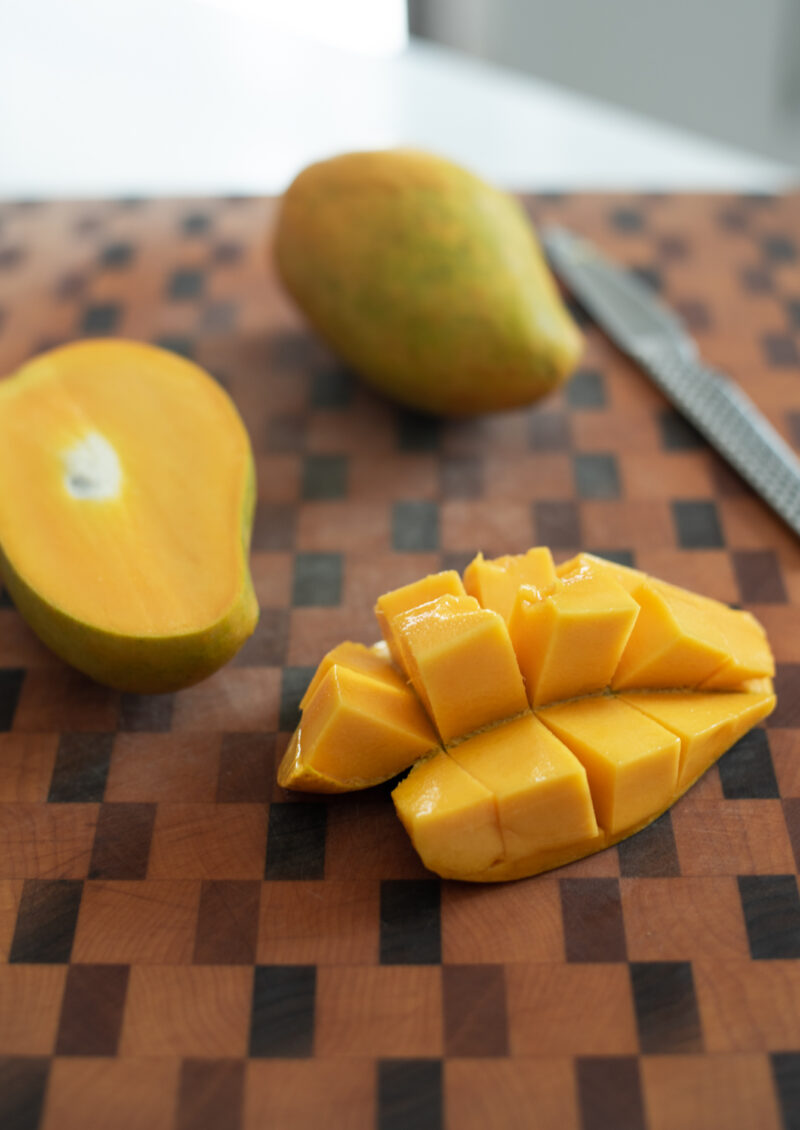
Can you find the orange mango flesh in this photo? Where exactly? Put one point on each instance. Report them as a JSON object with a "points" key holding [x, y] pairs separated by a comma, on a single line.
{"points": [[673, 643], [394, 604], [127, 548], [496, 826], [495, 583], [356, 657], [450, 817], [631, 784], [705, 723], [680, 642], [568, 643], [751, 655], [514, 791], [624, 575], [460, 660], [542, 790], [631, 761], [355, 731]]}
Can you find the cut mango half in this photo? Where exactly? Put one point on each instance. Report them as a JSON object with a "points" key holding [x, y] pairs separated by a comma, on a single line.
{"points": [[126, 505], [546, 713]]}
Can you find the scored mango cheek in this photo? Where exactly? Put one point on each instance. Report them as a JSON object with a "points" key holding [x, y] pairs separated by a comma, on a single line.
{"points": [[500, 790], [631, 759]]}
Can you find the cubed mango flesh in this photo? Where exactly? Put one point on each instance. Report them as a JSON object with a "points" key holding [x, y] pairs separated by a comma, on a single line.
{"points": [[399, 601], [748, 651], [707, 724], [569, 643], [624, 575], [636, 685], [495, 583], [674, 643], [459, 659], [631, 761], [450, 817], [356, 731], [370, 661], [681, 639], [296, 773], [541, 788], [750, 654]]}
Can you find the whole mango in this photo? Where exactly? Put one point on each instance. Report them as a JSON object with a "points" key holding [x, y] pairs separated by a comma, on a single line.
{"points": [[429, 282]]}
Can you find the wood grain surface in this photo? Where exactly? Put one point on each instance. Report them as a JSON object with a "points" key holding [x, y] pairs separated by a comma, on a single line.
{"points": [[184, 946]]}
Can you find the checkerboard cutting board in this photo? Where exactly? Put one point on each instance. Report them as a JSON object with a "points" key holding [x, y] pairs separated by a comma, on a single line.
{"points": [[184, 946]]}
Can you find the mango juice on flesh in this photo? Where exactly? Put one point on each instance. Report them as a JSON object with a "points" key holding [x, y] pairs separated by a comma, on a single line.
{"points": [[396, 603], [495, 583]]}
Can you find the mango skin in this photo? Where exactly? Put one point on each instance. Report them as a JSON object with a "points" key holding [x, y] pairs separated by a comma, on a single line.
{"points": [[142, 664], [429, 282]]}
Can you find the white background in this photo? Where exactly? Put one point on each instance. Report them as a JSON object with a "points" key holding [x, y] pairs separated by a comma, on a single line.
{"points": [[182, 96]]}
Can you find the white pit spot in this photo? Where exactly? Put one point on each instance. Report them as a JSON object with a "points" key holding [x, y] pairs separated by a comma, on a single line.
{"points": [[92, 469]]}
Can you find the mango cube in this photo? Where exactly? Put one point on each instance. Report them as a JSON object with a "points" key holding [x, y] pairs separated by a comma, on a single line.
{"points": [[399, 601], [569, 643], [631, 761], [356, 657], [450, 817], [356, 731], [748, 652], [674, 643], [541, 788], [707, 724], [495, 583], [461, 663], [750, 658]]}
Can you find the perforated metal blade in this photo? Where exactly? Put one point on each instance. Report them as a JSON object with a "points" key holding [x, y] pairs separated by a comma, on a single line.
{"points": [[656, 338]]}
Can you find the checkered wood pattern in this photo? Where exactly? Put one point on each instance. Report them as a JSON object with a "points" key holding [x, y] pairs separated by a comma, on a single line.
{"points": [[183, 946]]}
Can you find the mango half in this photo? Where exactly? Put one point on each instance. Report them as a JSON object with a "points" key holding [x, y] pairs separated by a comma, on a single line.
{"points": [[127, 493], [428, 281], [566, 709]]}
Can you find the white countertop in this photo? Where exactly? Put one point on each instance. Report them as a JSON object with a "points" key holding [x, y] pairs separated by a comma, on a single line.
{"points": [[115, 97]]}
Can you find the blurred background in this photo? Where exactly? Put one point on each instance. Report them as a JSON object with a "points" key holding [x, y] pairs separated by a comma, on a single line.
{"points": [[729, 69], [146, 96]]}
